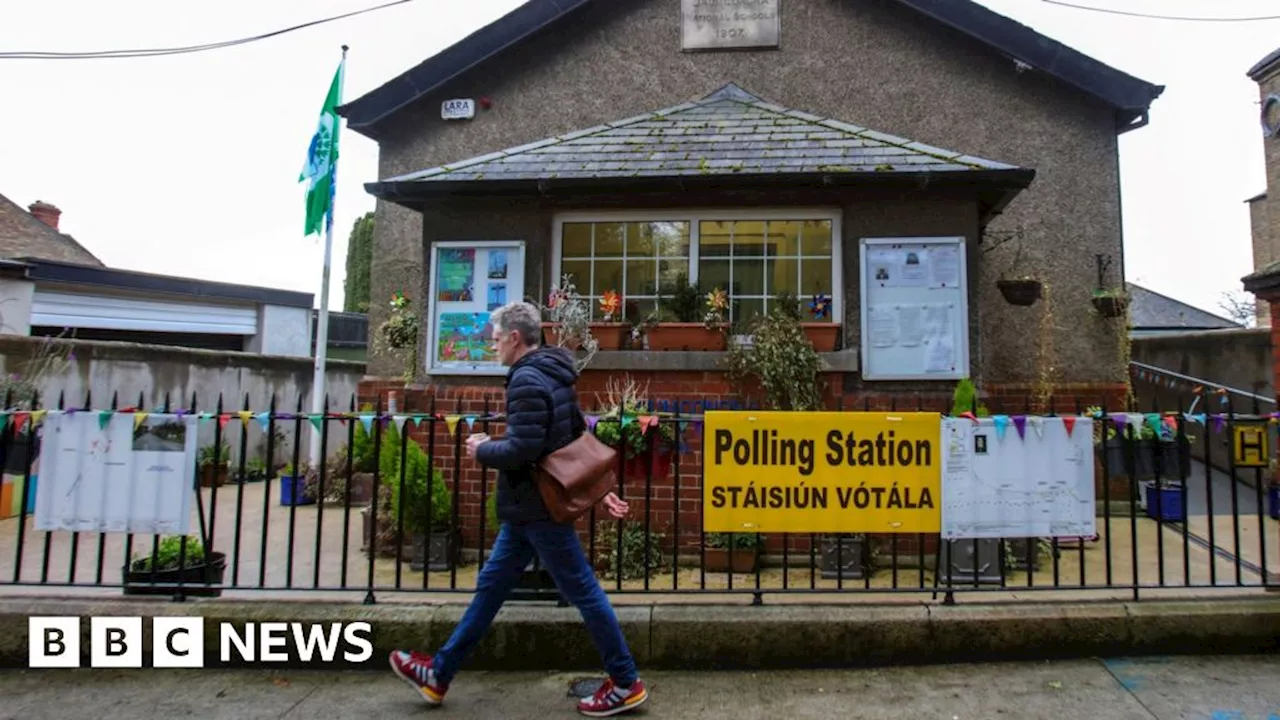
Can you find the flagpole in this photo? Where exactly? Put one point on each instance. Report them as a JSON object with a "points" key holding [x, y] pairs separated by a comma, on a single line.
{"points": [[319, 381]]}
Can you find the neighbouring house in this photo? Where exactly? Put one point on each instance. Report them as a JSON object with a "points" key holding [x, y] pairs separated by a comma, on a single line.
{"points": [[1264, 281], [1152, 314], [899, 157]]}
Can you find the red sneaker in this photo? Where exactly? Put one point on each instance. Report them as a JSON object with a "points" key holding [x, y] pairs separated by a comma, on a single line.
{"points": [[613, 700], [416, 669]]}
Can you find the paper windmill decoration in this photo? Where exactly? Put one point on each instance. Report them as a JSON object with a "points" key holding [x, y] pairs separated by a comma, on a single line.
{"points": [[609, 305], [820, 306]]}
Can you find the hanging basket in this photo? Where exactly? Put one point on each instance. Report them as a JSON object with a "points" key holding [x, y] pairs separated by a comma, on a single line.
{"points": [[1110, 306], [1020, 292]]}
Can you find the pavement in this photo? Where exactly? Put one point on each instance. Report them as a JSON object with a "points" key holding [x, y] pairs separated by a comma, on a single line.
{"points": [[1165, 688]]}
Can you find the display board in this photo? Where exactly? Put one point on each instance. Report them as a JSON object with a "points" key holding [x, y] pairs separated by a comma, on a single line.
{"points": [[117, 472], [1015, 477], [468, 281], [821, 472], [915, 312]]}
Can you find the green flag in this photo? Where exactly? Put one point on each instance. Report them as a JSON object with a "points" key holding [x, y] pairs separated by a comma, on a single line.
{"points": [[322, 159]]}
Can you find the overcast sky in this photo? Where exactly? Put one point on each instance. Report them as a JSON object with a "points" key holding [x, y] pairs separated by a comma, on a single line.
{"points": [[187, 165]]}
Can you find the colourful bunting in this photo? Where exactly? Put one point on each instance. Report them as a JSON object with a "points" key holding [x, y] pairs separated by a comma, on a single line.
{"points": [[367, 422], [1037, 424], [647, 422], [37, 417], [223, 419], [245, 417], [1020, 422], [1218, 423], [1069, 423], [471, 423], [317, 422], [138, 419], [264, 419], [451, 422], [591, 421], [969, 414], [1002, 425], [104, 419]]}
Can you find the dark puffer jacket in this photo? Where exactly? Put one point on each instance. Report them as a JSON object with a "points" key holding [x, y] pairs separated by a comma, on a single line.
{"points": [[542, 416]]}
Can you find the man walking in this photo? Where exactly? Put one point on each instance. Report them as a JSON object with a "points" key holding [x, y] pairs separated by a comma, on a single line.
{"points": [[542, 416]]}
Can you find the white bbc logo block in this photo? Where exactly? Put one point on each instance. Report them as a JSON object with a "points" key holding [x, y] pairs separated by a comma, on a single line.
{"points": [[53, 642], [177, 642], [115, 642]]}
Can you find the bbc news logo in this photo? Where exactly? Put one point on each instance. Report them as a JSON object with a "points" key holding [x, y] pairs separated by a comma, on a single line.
{"points": [[178, 642]]}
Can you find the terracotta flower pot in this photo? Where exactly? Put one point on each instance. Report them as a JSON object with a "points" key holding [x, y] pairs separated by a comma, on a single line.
{"points": [[822, 335], [610, 336], [687, 336]]}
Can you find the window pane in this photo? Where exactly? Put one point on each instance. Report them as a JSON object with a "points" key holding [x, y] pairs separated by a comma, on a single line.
{"points": [[815, 277], [608, 276], [577, 240], [640, 277], [673, 272], [672, 238], [748, 277], [784, 275], [609, 239], [640, 240], [817, 237], [802, 306], [784, 239], [713, 274], [580, 270], [636, 310], [748, 239], [713, 239], [745, 309]]}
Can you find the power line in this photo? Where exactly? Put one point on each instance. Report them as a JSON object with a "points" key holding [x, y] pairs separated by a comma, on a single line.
{"points": [[159, 52], [1160, 17]]}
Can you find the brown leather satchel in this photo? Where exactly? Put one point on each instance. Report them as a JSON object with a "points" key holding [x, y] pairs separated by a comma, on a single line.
{"points": [[577, 476]]}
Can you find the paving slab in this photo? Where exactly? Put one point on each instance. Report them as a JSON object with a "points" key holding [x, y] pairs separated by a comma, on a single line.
{"points": [[1162, 688]]}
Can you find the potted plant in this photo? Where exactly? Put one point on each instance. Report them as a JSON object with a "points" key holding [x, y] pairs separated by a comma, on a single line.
{"points": [[687, 320], [646, 451], [172, 564], [1165, 500], [215, 463], [400, 332], [745, 553], [610, 334], [1111, 302], [570, 321], [418, 497], [293, 486]]}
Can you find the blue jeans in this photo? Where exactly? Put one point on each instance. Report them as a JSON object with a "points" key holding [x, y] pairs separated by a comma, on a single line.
{"points": [[561, 554]]}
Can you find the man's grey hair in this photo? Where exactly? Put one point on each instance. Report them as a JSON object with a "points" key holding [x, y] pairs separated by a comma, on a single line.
{"points": [[521, 317]]}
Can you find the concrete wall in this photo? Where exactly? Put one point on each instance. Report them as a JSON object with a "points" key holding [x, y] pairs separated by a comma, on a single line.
{"points": [[282, 331], [74, 368], [874, 63], [15, 306], [1239, 359]]}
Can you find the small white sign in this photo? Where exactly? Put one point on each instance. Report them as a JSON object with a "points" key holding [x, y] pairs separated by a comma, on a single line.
{"points": [[458, 109]]}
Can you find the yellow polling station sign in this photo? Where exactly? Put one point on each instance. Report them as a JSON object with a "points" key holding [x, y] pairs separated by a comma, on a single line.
{"points": [[822, 472]]}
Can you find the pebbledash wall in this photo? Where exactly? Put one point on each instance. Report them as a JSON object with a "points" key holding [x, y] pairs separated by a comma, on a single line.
{"points": [[955, 76]]}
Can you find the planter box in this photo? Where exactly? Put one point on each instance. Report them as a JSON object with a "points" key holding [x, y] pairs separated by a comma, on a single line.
{"points": [[1016, 553], [843, 557], [745, 560], [687, 336], [823, 335], [1165, 504], [610, 336], [212, 476], [436, 552], [139, 583], [963, 558], [292, 491]]}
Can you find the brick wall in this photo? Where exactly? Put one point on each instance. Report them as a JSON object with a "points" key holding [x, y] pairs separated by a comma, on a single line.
{"points": [[668, 494]]}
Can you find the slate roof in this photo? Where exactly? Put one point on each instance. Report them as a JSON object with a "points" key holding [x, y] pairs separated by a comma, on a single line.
{"points": [[24, 235], [730, 132], [1130, 96], [1149, 310], [1262, 66]]}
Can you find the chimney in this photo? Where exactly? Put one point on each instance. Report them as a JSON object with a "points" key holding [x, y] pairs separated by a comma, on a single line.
{"points": [[46, 213]]}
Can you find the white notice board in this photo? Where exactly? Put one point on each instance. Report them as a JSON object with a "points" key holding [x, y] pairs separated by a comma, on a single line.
{"points": [[1006, 477], [468, 281], [915, 312]]}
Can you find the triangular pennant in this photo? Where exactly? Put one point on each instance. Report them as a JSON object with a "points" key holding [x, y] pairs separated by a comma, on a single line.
{"points": [[223, 419], [1069, 422], [451, 422], [37, 417], [19, 419], [104, 419], [138, 419], [1171, 423], [1020, 422], [647, 422], [264, 419], [1199, 417], [591, 421], [367, 422], [245, 417], [1218, 423], [1135, 420], [1119, 420], [471, 423], [417, 420], [1037, 424], [399, 421], [626, 420], [317, 422], [968, 414], [1153, 421], [1002, 425]]}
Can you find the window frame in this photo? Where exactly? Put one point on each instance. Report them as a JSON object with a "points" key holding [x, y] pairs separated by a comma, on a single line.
{"points": [[695, 216]]}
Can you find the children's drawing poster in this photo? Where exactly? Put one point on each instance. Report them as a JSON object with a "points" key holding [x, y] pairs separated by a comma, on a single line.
{"points": [[497, 264], [465, 337], [455, 274], [497, 296]]}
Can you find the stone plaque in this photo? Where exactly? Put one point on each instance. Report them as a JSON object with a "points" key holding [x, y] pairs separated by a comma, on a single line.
{"points": [[730, 24]]}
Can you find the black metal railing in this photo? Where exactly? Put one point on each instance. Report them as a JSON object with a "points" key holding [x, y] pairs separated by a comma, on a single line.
{"points": [[395, 506]]}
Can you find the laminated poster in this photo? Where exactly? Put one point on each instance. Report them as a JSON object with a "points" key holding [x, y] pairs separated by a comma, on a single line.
{"points": [[455, 275], [465, 338], [497, 264]]}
